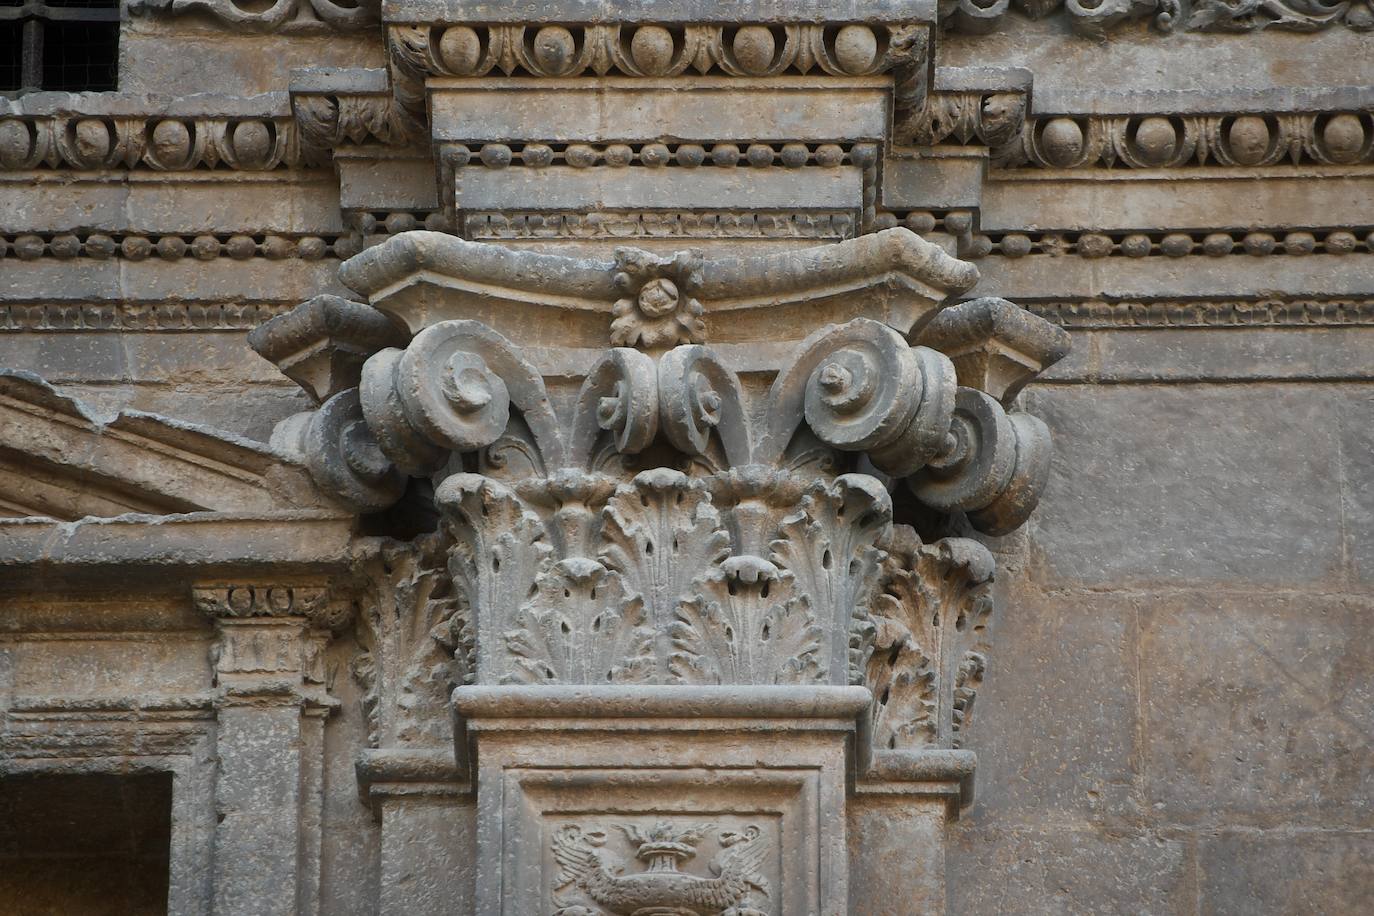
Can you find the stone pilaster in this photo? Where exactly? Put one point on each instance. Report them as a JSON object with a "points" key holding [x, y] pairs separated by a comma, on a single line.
{"points": [[270, 712]]}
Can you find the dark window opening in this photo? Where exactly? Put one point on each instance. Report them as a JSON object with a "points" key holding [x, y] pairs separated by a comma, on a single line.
{"points": [[63, 45], [96, 844]]}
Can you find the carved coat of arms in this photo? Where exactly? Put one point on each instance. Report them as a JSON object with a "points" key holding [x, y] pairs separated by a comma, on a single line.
{"points": [[735, 887]]}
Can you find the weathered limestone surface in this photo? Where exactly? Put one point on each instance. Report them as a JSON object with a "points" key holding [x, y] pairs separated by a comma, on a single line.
{"points": [[655, 459]]}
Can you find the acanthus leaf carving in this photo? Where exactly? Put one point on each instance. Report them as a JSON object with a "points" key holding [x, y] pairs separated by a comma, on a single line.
{"points": [[830, 546], [580, 628], [660, 534], [419, 643], [929, 650], [747, 626], [499, 549]]}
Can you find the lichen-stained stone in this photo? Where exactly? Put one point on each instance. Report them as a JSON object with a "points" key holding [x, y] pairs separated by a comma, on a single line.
{"points": [[1258, 501], [1257, 709]]}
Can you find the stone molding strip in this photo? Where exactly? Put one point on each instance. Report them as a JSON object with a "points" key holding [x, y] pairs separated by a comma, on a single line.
{"points": [[998, 119], [1216, 313], [163, 143], [137, 316], [1291, 243], [173, 247], [664, 155]]}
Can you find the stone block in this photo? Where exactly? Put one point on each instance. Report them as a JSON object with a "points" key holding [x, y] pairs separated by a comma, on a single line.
{"points": [[1258, 708], [1321, 873], [1055, 722], [1184, 491], [1065, 871], [1356, 425]]}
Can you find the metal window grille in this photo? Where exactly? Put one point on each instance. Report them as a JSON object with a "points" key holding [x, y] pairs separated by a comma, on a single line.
{"points": [[67, 45]]}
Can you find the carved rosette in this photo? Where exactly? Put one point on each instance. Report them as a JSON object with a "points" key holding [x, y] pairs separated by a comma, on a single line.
{"points": [[671, 519]]}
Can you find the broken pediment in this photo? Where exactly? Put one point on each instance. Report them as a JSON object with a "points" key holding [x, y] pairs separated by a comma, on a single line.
{"points": [[59, 461]]}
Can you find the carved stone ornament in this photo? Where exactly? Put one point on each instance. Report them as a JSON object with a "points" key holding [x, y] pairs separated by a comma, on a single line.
{"points": [[663, 477]]}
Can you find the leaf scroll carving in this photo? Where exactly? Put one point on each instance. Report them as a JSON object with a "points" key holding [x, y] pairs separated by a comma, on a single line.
{"points": [[929, 649], [830, 546]]}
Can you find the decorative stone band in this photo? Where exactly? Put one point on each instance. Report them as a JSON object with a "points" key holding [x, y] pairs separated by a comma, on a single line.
{"points": [[664, 155], [151, 141], [742, 49], [1148, 140], [1095, 17], [1290, 243], [137, 316], [137, 246], [246, 600], [278, 16], [1215, 313]]}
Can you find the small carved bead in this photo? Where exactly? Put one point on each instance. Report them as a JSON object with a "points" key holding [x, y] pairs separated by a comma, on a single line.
{"points": [[554, 47], [1136, 246], [980, 246], [654, 155], [920, 221], [311, 248], [1015, 245], [691, 155], [1176, 244], [458, 154], [276, 248], [496, 155], [856, 48], [252, 143], [205, 247], [171, 142], [537, 155], [367, 223], [461, 50], [883, 221], [618, 155], [100, 246], [1157, 140], [1248, 138], [865, 155], [346, 246], [1258, 243], [1341, 243], [1217, 244], [1094, 245], [957, 222], [1299, 243], [28, 247], [651, 48], [580, 156], [725, 154], [1343, 137], [754, 48], [397, 223], [135, 247], [1369, 241], [795, 155], [16, 143], [240, 247], [434, 222], [171, 247], [92, 139], [1062, 141], [65, 246], [829, 155], [759, 155]]}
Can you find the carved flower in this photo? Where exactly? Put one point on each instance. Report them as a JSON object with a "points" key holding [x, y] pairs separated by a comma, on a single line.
{"points": [[656, 309]]}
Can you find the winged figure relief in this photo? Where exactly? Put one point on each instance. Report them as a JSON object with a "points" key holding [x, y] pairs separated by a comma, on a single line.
{"points": [[736, 882]]}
